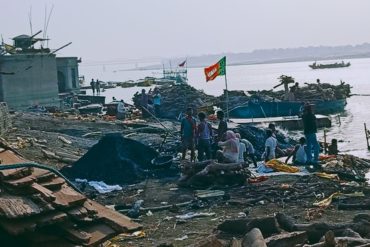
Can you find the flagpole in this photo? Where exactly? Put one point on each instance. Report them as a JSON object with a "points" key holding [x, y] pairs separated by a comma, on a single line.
{"points": [[227, 99]]}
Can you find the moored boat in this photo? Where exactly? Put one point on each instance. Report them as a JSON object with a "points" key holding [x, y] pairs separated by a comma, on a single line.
{"points": [[265, 109], [329, 66]]}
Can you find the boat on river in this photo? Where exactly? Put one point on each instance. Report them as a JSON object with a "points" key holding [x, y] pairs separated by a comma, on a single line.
{"points": [[258, 108], [329, 66]]}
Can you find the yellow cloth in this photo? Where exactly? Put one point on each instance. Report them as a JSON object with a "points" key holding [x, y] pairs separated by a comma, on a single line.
{"points": [[327, 201], [280, 166]]}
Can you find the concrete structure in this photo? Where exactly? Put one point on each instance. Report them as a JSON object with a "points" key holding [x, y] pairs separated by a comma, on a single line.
{"points": [[67, 68], [28, 79]]}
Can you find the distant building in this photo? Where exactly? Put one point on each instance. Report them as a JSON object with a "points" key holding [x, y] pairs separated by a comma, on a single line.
{"points": [[68, 79], [30, 76]]}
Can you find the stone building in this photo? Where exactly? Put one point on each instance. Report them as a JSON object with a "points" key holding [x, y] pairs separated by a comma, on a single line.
{"points": [[30, 76]]}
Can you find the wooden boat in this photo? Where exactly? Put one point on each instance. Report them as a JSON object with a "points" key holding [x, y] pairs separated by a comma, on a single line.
{"points": [[329, 66], [264, 109], [90, 109]]}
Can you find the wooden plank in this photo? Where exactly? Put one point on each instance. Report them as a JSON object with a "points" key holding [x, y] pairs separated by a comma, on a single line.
{"points": [[54, 184], [78, 213], [42, 175], [12, 207], [67, 197], [75, 235], [21, 182], [114, 219], [19, 226], [44, 192], [99, 233]]}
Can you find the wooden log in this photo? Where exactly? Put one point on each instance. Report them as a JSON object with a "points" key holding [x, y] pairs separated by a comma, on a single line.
{"points": [[361, 216], [234, 226], [286, 239], [254, 238], [285, 222], [329, 239], [267, 225]]}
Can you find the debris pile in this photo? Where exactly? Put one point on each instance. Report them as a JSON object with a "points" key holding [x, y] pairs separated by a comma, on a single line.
{"points": [[175, 100], [5, 123], [114, 160], [39, 208], [282, 230], [207, 173], [311, 92], [347, 166]]}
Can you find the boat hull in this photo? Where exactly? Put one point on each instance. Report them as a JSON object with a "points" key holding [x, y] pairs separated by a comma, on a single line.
{"points": [[279, 109]]}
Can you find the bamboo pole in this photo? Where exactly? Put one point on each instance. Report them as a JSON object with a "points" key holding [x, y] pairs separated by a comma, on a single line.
{"points": [[367, 136]]}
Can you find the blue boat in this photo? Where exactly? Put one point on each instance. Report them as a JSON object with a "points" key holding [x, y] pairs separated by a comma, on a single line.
{"points": [[262, 109]]}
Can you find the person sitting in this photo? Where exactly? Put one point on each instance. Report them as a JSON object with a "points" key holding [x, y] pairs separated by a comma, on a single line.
{"points": [[270, 146], [230, 152], [250, 151], [299, 154], [242, 148], [333, 147]]}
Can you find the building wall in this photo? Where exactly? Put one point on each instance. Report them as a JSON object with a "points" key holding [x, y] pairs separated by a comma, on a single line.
{"points": [[67, 74], [34, 80]]}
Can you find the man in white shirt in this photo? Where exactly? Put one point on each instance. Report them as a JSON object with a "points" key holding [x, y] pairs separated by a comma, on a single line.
{"points": [[270, 146]]}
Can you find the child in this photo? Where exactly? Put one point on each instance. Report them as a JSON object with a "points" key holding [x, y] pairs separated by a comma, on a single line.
{"points": [[299, 153]]}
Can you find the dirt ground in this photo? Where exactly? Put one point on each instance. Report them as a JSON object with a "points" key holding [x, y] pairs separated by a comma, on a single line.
{"points": [[160, 226]]}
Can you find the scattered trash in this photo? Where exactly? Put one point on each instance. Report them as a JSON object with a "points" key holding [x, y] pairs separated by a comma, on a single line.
{"points": [[101, 187], [182, 238], [191, 215]]}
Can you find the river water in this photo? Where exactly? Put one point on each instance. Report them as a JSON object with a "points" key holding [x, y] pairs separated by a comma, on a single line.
{"points": [[348, 127]]}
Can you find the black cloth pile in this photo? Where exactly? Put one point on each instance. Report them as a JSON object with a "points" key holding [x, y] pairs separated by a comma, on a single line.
{"points": [[114, 160]]}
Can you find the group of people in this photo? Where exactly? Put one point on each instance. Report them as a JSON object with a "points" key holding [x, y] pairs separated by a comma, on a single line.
{"points": [[95, 86], [150, 102], [224, 145]]}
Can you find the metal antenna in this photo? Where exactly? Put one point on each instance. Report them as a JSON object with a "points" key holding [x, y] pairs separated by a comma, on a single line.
{"points": [[30, 19], [47, 23]]}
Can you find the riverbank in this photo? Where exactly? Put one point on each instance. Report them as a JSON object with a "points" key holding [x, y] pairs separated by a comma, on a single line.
{"points": [[166, 206]]}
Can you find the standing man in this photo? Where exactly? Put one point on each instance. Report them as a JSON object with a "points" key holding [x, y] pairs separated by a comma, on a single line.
{"points": [[157, 102], [222, 126], [97, 85], [270, 146], [187, 132], [144, 103], [204, 132], [92, 84], [310, 130]]}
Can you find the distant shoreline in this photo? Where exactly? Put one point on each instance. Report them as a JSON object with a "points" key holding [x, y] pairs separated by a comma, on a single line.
{"points": [[273, 61]]}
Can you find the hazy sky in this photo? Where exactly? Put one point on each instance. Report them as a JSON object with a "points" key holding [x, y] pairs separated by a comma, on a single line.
{"points": [[118, 30]]}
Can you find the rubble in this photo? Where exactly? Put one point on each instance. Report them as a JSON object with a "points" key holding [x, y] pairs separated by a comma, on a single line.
{"points": [[176, 98]]}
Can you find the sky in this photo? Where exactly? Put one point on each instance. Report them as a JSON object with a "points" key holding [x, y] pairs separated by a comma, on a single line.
{"points": [[119, 31]]}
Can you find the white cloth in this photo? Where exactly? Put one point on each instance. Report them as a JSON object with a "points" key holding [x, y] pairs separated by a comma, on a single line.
{"points": [[301, 155], [101, 187], [270, 143], [242, 150]]}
